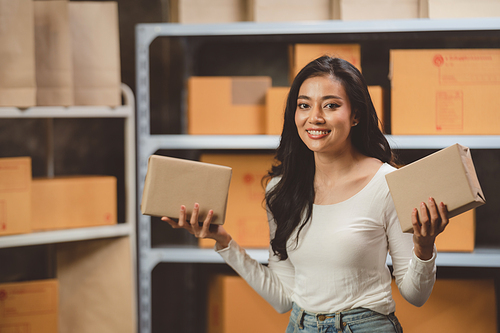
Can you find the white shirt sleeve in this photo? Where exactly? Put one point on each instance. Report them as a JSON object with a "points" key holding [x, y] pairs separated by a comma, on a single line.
{"points": [[414, 277]]}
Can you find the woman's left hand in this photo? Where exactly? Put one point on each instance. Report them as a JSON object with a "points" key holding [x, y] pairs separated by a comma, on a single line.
{"points": [[432, 221]]}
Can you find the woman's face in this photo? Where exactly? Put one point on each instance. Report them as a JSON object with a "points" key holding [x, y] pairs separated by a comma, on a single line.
{"points": [[323, 116]]}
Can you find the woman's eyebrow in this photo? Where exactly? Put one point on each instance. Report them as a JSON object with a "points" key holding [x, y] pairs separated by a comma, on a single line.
{"points": [[323, 98]]}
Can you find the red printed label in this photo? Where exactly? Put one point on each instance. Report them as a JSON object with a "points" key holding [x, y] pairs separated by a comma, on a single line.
{"points": [[449, 110], [468, 68]]}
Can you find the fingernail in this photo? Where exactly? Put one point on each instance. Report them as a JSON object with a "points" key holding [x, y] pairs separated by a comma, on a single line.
{"points": [[422, 204], [183, 208], [196, 205], [430, 199]]}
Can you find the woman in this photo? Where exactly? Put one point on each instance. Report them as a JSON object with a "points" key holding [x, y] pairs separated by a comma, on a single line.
{"points": [[331, 216]]}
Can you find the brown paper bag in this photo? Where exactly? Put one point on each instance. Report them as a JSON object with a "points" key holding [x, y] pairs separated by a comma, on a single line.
{"points": [[17, 54], [447, 175], [54, 69], [96, 52]]}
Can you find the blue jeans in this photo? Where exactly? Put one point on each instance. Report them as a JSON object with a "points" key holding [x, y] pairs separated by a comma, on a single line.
{"points": [[358, 320]]}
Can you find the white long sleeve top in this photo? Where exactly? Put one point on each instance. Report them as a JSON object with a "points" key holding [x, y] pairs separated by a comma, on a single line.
{"points": [[340, 260]]}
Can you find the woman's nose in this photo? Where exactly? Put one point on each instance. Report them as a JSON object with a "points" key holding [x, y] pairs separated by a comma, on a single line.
{"points": [[316, 116]]}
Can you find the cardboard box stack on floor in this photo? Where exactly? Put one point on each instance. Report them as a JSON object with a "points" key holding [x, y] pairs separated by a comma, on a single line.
{"points": [[233, 306], [246, 218]]}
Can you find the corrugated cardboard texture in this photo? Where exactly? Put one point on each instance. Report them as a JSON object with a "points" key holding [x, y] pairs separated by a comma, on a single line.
{"points": [[443, 176], [15, 195], [376, 10], [29, 307], [246, 217], [451, 91], [302, 54], [275, 109], [172, 182], [461, 8], [289, 10], [233, 306], [96, 52], [450, 308], [202, 11], [54, 64], [96, 286], [17, 54], [73, 202], [377, 96], [236, 105], [460, 234]]}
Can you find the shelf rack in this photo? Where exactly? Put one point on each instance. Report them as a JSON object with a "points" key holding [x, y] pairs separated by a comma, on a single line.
{"points": [[148, 144]]}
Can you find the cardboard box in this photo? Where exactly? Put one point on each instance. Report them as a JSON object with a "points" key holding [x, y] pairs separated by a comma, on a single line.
{"points": [[172, 182], [246, 216], [275, 109], [289, 10], [459, 8], [447, 175], [227, 105], [202, 11], [29, 307], [15, 195], [302, 54], [450, 307], [460, 234], [452, 91], [377, 96], [375, 10], [233, 306], [73, 202]]}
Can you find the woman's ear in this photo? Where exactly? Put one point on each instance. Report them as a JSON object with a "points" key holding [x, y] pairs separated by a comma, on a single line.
{"points": [[355, 119]]}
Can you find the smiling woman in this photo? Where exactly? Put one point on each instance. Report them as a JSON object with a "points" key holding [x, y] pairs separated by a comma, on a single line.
{"points": [[331, 217]]}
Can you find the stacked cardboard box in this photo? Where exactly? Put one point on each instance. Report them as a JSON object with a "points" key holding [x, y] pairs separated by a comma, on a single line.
{"points": [[375, 10], [289, 10], [436, 9]]}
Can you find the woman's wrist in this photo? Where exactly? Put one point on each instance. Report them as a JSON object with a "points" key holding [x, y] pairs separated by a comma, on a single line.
{"points": [[424, 253], [223, 242]]}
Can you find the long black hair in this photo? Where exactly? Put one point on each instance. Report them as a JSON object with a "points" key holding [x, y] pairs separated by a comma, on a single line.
{"points": [[291, 200]]}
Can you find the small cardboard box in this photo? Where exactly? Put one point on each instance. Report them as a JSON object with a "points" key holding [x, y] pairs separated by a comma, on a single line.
{"points": [[447, 175], [289, 10], [449, 308], [349, 10], [377, 96], [450, 91], [227, 105], [15, 195], [302, 54], [73, 202], [233, 306], [246, 216], [459, 8], [29, 307], [172, 182], [275, 109]]}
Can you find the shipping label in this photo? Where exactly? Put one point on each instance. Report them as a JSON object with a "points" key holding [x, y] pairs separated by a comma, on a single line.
{"points": [[449, 110], [14, 177], [478, 68]]}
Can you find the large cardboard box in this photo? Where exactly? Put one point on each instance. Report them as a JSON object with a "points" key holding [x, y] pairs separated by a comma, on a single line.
{"points": [[375, 10], [302, 54], [15, 195], [377, 96], [452, 91], [459, 8], [460, 234], [450, 307], [447, 175], [29, 307], [289, 10], [172, 182], [237, 105], [233, 306], [73, 202], [275, 109], [246, 216], [203, 11]]}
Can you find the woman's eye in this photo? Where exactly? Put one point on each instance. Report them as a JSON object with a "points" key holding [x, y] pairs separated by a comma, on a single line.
{"points": [[332, 106], [302, 105]]}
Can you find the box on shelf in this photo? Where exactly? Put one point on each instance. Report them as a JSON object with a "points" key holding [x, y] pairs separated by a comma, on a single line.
{"points": [[31, 306], [246, 216], [275, 109], [375, 10], [96, 52], [172, 182], [17, 54], [459, 8], [460, 234], [450, 91], [54, 64], [233, 306], [449, 308], [201, 11], [237, 104], [289, 10], [15, 195], [377, 96], [302, 54], [73, 202], [447, 175]]}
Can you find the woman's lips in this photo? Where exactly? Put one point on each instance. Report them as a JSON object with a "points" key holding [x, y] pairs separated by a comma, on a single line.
{"points": [[317, 133]]}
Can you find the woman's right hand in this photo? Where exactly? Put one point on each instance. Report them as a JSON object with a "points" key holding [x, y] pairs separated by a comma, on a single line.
{"points": [[206, 230]]}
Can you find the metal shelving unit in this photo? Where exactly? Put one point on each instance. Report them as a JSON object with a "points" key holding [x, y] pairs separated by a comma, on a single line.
{"points": [[148, 144]]}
